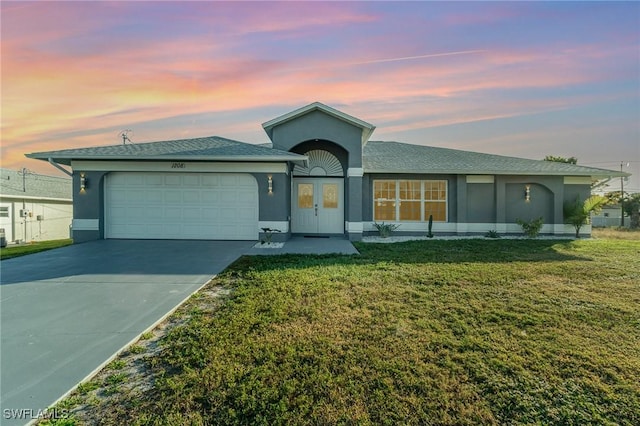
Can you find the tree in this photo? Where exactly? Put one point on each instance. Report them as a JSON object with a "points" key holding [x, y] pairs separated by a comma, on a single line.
{"points": [[570, 160], [631, 206], [576, 213]]}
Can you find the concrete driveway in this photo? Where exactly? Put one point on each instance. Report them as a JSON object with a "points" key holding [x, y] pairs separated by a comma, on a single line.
{"points": [[65, 312]]}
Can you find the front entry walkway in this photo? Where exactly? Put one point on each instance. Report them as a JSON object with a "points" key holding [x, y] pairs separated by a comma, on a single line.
{"points": [[66, 312], [306, 245]]}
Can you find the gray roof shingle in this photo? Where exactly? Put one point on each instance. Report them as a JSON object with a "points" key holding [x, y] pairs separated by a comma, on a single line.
{"points": [[210, 148], [396, 157], [378, 157], [36, 185]]}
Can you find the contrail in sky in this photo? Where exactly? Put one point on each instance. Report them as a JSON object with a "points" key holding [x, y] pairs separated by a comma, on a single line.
{"points": [[380, 61], [410, 58]]}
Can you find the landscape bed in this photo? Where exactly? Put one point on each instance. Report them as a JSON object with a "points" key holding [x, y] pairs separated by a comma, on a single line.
{"points": [[423, 332]]}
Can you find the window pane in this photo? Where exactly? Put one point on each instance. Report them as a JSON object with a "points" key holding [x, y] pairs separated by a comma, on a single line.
{"points": [[410, 210], [435, 190], [330, 195], [384, 210], [385, 189], [305, 195], [437, 209], [384, 203], [409, 189]]}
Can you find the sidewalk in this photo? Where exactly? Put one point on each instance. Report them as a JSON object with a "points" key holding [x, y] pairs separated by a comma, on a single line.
{"points": [[302, 245]]}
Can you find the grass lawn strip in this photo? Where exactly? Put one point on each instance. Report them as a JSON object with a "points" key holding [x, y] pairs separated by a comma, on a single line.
{"points": [[25, 249], [439, 332]]}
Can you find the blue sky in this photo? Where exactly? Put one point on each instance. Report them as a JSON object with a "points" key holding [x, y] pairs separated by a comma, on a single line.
{"points": [[524, 79]]}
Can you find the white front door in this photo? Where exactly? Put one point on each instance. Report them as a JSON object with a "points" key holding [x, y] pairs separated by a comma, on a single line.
{"points": [[317, 206]]}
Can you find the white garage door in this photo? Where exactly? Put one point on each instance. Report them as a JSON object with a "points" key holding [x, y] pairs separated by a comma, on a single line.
{"points": [[198, 206]]}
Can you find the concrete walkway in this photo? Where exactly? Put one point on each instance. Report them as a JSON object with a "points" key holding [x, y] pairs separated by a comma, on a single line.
{"points": [[65, 313], [302, 245]]}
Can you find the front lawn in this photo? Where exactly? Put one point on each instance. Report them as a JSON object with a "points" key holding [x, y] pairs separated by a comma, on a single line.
{"points": [[35, 247], [426, 332]]}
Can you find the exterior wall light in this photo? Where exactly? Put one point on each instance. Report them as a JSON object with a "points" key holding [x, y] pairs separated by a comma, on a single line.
{"points": [[84, 182], [527, 193], [270, 180]]}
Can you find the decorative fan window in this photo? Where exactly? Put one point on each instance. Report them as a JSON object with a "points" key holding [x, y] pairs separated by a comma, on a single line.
{"points": [[321, 163]]}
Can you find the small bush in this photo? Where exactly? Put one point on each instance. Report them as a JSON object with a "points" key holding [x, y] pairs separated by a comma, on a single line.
{"points": [[146, 336], [87, 387], [136, 349], [532, 228], [117, 364], [492, 234], [385, 229]]}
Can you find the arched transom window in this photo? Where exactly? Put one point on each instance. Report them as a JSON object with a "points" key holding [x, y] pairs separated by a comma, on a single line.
{"points": [[321, 163]]}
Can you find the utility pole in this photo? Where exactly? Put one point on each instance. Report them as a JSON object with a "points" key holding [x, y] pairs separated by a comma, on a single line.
{"points": [[622, 195]]}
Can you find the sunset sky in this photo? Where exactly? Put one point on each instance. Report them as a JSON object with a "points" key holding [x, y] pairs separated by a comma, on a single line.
{"points": [[512, 78]]}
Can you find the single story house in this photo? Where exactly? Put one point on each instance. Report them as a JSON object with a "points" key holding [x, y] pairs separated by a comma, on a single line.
{"points": [[609, 216], [320, 176], [34, 207]]}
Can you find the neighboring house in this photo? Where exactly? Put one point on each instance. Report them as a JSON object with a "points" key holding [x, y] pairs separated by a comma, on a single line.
{"points": [[609, 216], [320, 176], [34, 207]]}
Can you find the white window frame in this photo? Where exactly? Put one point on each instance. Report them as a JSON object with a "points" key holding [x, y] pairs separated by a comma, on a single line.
{"points": [[398, 201]]}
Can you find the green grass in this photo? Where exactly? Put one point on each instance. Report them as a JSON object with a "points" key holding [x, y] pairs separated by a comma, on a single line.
{"points": [[23, 250], [428, 332]]}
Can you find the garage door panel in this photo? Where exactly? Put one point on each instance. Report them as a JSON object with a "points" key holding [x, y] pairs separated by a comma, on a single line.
{"points": [[172, 180], [210, 197], [181, 206], [173, 213], [191, 197]]}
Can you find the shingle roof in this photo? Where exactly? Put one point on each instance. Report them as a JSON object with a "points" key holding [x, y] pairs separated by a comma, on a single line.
{"points": [[212, 148], [396, 157], [36, 186], [378, 157]]}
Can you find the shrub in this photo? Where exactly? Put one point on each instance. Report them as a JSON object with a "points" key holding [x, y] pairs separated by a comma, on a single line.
{"points": [[576, 213], [492, 234], [385, 229], [532, 228]]}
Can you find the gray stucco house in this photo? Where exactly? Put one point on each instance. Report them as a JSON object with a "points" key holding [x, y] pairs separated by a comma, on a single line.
{"points": [[320, 176]]}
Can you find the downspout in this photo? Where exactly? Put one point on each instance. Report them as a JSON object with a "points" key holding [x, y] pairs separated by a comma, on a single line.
{"points": [[59, 167]]}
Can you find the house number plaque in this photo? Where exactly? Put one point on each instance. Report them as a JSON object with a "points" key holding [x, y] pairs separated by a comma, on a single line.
{"points": [[178, 166]]}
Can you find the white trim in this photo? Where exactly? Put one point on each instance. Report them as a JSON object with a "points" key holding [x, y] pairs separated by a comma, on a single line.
{"points": [[85, 224], [480, 179], [462, 228], [398, 201], [415, 226], [479, 228], [577, 180], [354, 227], [282, 226], [21, 197], [177, 166], [355, 172]]}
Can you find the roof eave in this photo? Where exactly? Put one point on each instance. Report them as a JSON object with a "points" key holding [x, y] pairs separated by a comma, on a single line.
{"points": [[294, 158], [34, 197], [598, 175]]}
